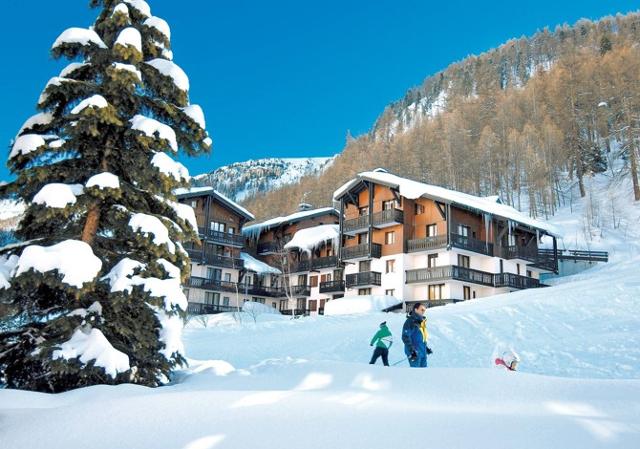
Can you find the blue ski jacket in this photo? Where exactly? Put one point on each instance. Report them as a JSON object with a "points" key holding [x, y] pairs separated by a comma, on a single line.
{"points": [[414, 335]]}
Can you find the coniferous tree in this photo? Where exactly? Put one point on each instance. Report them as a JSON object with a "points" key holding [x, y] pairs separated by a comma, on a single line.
{"points": [[94, 289]]}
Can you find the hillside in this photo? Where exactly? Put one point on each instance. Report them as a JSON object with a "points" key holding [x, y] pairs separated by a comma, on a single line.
{"points": [[243, 180], [576, 387], [526, 121]]}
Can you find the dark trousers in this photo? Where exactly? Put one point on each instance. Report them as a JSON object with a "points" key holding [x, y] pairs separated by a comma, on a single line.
{"points": [[380, 352]]}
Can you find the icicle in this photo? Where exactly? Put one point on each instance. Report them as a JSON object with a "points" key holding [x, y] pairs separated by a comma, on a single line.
{"points": [[537, 238], [487, 222]]}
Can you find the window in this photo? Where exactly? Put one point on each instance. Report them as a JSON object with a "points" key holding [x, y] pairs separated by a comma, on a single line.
{"points": [[432, 230], [419, 209], [364, 291], [325, 277], [463, 261], [529, 274], [330, 252], [283, 304], [258, 300], [302, 279], [313, 305], [501, 266], [390, 292], [363, 238], [518, 268], [364, 266], [511, 239], [363, 211], [231, 230], [390, 204], [212, 298], [225, 301], [466, 292], [216, 226], [313, 280], [274, 305], [432, 260], [464, 230], [194, 203], [227, 277], [390, 266], [337, 274], [390, 238], [435, 291]]}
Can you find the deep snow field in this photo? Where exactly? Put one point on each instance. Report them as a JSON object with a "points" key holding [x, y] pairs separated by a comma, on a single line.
{"points": [[305, 383]]}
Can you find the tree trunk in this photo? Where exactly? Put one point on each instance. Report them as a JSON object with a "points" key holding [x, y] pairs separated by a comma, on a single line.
{"points": [[91, 224]]}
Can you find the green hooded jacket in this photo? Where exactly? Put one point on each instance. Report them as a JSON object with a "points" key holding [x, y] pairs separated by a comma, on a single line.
{"points": [[383, 338]]}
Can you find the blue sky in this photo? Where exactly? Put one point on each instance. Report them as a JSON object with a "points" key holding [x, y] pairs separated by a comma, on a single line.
{"points": [[286, 78]]}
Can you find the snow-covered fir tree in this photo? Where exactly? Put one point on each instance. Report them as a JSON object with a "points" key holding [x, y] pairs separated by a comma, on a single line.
{"points": [[94, 287]]}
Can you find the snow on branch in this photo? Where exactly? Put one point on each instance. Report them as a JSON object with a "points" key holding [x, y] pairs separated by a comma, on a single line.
{"points": [[104, 180], [58, 195], [130, 37], [150, 127], [170, 167], [80, 36], [196, 114], [140, 5], [150, 225], [171, 70], [73, 259], [91, 345], [159, 24], [95, 101]]}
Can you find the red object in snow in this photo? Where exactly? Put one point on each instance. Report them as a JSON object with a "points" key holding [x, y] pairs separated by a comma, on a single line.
{"points": [[501, 362]]}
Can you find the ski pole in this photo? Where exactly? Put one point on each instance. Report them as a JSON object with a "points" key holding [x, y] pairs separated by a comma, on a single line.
{"points": [[400, 361]]}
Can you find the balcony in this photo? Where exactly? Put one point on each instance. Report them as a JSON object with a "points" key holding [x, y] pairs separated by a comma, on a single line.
{"points": [[471, 244], [332, 286], [519, 252], [449, 272], [260, 290], [427, 243], [515, 281], [300, 290], [215, 260], [212, 284], [361, 251], [364, 279], [222, 238], [314, 264], [197, 308], [382, 219], [268, 248], [299, 266]]}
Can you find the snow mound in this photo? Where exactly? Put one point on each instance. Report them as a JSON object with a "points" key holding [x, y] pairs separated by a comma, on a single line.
{"points": [[73, 259], [159, 24], [257, 266], [104, 180], [96, 101], [173, 71], [7, 268], [58, 196], [151, 127], [360, 304], [169, 167], [121, 8], [93, 345], [150, 225], [197, 115], [309, 239], [257, 308], [130, 37]]}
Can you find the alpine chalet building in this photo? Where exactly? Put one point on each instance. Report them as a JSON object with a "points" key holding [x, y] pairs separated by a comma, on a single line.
{"points": [[420, 242], [302, 246]]}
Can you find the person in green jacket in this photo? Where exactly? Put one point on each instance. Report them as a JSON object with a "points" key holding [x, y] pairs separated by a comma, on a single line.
{"points": [[383, 341]]}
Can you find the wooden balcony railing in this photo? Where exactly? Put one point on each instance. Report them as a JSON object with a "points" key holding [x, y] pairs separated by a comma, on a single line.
{"points": [[361, 251], [332, 286], [512, 280], [423, 275], [388, 217], [471, 244], [355, 225], [364, 279], [427, 243], [197, 308], [214, 259], [222, 238], [300, 290], [519, 252]]}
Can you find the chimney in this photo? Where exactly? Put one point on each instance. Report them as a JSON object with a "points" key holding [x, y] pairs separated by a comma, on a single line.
{"points": [[302, 207]]}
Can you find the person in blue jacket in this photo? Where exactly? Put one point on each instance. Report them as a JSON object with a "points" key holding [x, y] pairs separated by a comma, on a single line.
{"points": [[415, 336]]}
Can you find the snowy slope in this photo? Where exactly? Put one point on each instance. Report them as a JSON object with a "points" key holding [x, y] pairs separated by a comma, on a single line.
{"points": [[244, 179], [306, 382]]}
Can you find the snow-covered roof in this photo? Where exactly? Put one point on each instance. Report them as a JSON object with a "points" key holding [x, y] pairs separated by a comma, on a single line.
{"points": [[201, 191], [256, 229], [311, 238], [413, 189], [257, 266]]}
